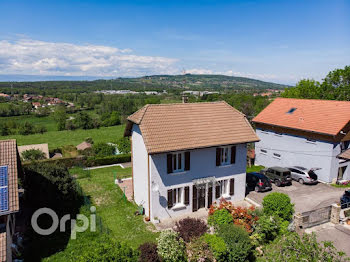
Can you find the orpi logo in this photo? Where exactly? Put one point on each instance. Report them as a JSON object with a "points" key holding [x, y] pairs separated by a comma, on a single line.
{"points": [[80, 227]]}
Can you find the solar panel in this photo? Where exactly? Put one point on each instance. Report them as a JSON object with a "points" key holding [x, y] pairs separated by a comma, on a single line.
{"points": [[4, 194]]}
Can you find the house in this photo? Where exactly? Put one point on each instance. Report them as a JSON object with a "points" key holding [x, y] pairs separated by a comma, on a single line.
{"points": [[10, 169], [42, 147], [36, 105], [186, 156], [307, 133], [84, 145]]}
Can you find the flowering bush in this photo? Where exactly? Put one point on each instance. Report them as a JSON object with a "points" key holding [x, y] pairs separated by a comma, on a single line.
{"points": [[171, 247], [241, 216], [344, 183]]}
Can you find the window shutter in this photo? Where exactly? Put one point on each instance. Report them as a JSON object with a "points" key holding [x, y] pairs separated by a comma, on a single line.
{"points": [[194, 199], [232, 186], [4, 196], [218, 155], [217, 191], [233, 155], [187, 195], [170, 198], [210, 196], [187, 160], [169, 163]]}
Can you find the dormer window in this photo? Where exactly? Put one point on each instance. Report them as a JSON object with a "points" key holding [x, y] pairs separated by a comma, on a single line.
{"points": [[291, 111]]}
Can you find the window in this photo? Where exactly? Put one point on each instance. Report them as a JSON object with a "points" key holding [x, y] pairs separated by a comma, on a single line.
{"points": [[263, 151], [225, 155], [278, 134], [223, 187], [276, 155], [178, 197], [291, 111], [178, 162], [311, 141]]}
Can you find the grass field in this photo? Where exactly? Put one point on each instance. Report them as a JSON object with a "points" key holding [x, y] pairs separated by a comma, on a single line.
{"points": [[46, 121], [59, 138]]}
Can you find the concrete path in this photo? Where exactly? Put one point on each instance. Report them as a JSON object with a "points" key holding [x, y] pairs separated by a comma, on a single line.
{"points": [[338, 234], [122, 165], [305, 197], [126, 186]]}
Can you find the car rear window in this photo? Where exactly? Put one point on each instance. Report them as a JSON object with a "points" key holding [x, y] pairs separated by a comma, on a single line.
{"points": [[312, 174]]}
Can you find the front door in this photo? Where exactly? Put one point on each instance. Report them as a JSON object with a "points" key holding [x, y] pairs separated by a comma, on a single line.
{"points": [[201, 197], [341, 172]]}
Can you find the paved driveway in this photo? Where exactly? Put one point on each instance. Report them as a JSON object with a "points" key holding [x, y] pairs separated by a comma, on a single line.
{"points": [[305, 197]]}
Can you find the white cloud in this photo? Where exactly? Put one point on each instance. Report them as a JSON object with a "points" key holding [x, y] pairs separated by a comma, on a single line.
{"points": [[26, 56]]}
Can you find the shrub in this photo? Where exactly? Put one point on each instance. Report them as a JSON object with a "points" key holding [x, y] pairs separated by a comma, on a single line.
{"points": [[26, 129], [278, 204], [266, 229], [217, 246], [103, 149], [237, 242], [220, 217], [189, 228], [108, 160], [241, 216], [291, 247], [89, 140], [124, 145], [149, 253], [171, 247], [33, 154], [198, 250]]}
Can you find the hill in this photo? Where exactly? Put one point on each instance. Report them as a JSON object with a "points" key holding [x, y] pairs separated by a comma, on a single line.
{"points": [[187, 81]]}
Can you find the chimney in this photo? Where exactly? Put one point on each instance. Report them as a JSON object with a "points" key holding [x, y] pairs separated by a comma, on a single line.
{"points": [[184, 99]]}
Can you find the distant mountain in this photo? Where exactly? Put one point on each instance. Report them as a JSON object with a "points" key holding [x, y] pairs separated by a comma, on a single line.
{"points": [[187, 81]]}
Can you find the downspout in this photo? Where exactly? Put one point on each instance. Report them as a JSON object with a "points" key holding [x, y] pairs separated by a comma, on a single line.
{"points": [[149, 189]]}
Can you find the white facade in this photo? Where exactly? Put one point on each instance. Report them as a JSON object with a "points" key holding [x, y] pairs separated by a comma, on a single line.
{"points": [[150, 176], [285, 150]]}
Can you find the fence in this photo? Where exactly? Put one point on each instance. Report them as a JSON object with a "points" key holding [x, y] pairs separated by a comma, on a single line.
{"points": [[316, 217], [345, 205]]}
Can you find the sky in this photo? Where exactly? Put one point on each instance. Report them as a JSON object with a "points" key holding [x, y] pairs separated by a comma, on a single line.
{"points": [[277, 41]]}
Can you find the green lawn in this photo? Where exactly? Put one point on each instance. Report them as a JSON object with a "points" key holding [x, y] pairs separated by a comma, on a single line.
{"points": [[66, 137], [254, 168], [46, 121]]}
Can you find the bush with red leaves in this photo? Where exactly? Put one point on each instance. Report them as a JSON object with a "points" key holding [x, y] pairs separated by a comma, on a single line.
{"points": [[149, 253], [189, 228]]}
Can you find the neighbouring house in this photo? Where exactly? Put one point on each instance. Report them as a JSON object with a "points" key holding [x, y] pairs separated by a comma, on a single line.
{"points": [[307, 133], [10, 169], [42, 147], [186, 156], [36, 105], [84, 145]]}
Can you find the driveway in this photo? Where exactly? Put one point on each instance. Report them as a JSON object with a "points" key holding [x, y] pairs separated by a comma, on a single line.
{"points": [[305, 197]]}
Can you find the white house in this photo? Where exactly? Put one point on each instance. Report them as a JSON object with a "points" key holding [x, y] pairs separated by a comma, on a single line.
{"points": [[307, 133], [186, 156]]}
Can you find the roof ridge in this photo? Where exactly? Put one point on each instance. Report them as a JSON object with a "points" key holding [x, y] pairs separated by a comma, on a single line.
{"points": [[311, 99], [193, 103]]}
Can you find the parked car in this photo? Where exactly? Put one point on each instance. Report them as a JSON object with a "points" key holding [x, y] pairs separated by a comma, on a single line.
{"points": [[345, 199], [258, 182], [278, 175], [303, 175]]}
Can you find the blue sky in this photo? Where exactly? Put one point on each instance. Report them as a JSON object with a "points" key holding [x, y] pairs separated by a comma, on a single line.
{"points": [[279, 41]]}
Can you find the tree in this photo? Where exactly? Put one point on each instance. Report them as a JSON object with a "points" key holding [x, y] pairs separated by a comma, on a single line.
{"points": [[84, 121], [278, 204], [4, 129], [291, 247], [26, 129], [33, 154], [103, 149], [124, 145], [60, 115]]}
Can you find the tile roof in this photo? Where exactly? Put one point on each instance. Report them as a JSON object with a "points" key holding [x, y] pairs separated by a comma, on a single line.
{"points": [[84, 145], [9, 157], [3, 247], [173, 127], [345, 154], [321, 116]]}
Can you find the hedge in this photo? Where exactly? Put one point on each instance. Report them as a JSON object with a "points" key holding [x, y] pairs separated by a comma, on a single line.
{"points": [[83, 161]]}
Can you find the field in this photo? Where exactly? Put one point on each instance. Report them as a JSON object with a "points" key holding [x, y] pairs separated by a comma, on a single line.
{"points": [[60, 138], [46, 121], [116, 213]]}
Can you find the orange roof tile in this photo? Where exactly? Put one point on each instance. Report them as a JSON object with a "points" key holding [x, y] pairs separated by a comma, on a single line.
{"points": [[173, 127], [321, 116], [9, 157]]}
